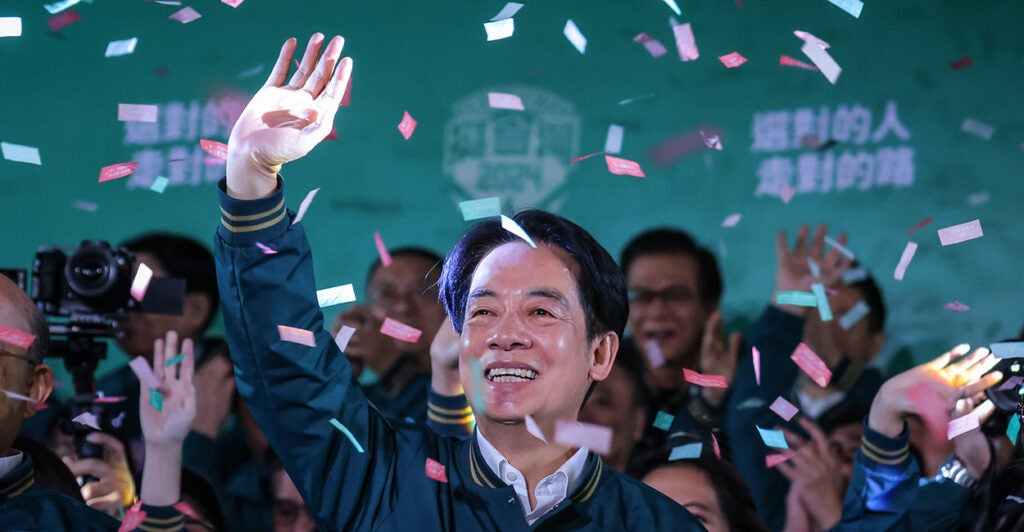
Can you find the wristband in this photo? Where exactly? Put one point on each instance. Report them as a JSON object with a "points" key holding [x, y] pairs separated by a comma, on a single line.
{"points": [[954, 470]]}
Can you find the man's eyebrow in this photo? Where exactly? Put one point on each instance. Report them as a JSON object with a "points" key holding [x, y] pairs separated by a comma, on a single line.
{"points": [[549, 293], [482, 292]]}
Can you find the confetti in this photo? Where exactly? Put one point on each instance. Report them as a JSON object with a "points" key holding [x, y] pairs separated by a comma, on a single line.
{"points": [[584, 157], [824, 310], [673, 6], [786, 60], [251, 72], [534, 430], [961, 63], [143, 372], [980, 198], [117, 171], [978, 129], [400, 331], [435, 470], [156, 399], [855, 314], [296, 335], [653, 46], [773, 460], [133, 518], [16, 339], [83, 205], [956, 306], [843, 250], [956, 234], [127, 112], [57, 22], [619, 166], [407, 125], [348, 434], [18, 396], [732, 220], [821, 59], [175, 360], [852, 7], [508, 11], [784, 408], [712, 140], [480, 208], [812, 365], [574, 35], [796, 298], [576, 434], [854, 275], [500, 29], [707, 381], [214, 148], [59, 6], [773, 438], [265, 249], [344, 336], [10, 26], [141, 282], [613, 140], [814, 267], [960, 425], [919, 225], [756, 355], [185, 15], [714, 443], [786, 193], [20, 154], [663, 421], [112, 399], [1007, 349], [732, 60], [337, 295], [685, 43], [232, 3], [382, 250], [1010, 383], [159, 184], [304, 206], [511, 226], [504, 100], [88, 419], [686, 451], [653, 354], [908, 255], [119, 48], [1013, 428], [751, 404], [628, 101]]}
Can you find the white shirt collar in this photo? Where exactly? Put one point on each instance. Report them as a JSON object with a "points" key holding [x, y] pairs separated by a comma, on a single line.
{"points": [[550, 491], [8, 463]]}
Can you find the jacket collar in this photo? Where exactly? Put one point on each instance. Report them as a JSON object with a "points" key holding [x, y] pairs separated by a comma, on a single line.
{"points": [[18, 480]]}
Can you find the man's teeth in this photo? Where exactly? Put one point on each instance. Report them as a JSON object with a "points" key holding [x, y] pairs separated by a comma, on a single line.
{"points": [[511, 375]]}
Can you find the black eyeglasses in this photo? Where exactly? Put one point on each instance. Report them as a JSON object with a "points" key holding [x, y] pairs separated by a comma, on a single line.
{"points": [[19, 357]]}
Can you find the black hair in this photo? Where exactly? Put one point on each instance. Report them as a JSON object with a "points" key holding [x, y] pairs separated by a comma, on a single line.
{"points": [[601, 286], [184, 258], [667, 241], [408, 251], [202, 497], [872, 295]]}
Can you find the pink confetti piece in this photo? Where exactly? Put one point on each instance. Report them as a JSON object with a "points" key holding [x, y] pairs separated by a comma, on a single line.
{"points": [[786, 193], [812, 365], [619, 166], [407, 125], [133, 518], [652, 351], [214, 148], [956, 306], [956, 234], [185, 15], [928, 406], [714, 443], [129, 112], [20, 154], [784, 408], [584, 157], [111, 399], [732, 220], [296, 335], [584, 435], [511, 226], [117, 171], [707, 381], [653, 46], [685, 43], [756, 355], [88, 419], [575, 36], [919, 225], [382, 250], [16, 339], [143, 372], [961, 63], [786, 60], [400, 331], [265, 249], [961, 425], [908, 255], [435, 470], [773, 460], [732, 60], [344, 336], [534, 429], [232, 3], [304, 206], [57, 22], [141, 282], [504, 100]]}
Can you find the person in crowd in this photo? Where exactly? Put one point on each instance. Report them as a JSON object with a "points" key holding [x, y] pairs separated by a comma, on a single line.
{"points": [[538, 327], [289, 510]]}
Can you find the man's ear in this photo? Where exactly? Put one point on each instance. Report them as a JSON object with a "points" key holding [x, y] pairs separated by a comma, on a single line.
{"points": [[195, 311], [603, 349], [39, 388]]}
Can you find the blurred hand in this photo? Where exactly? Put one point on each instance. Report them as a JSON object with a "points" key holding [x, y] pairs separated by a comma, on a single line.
{"points": [[169, 426], [215, 390], [718, 356], [444, 360], [114, 487], [972, 446], [367, 344], [814, 472], [792, 270]]}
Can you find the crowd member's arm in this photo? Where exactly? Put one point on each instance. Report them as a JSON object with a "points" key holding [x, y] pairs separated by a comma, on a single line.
{"points": [[448, 410]]}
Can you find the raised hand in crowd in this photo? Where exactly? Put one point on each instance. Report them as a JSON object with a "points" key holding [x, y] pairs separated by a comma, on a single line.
{"points": [[718, 356], [816, 480], [793, 269]]}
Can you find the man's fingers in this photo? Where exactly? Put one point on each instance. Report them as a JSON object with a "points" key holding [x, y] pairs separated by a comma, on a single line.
{"points": [[89, 466], [308, 63], [801, 240], [339, 81], [942, 360], [818, 243], [817, 435], [982, 384], [113, 449], [188, 365], [284, 59], [985, 411], [325, 67], [712, 330], [787, 471]]}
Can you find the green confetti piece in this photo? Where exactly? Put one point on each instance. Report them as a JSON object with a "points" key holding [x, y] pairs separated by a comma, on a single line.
{"points": [[480, 208], [796, 297], [159, 184], [663, 421], [824, 310], [176, 360], [344, 430], [687, 451], [1013, 429], [156, 400]]}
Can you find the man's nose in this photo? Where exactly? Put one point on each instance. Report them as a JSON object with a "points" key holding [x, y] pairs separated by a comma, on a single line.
{"points": [[510, 332]]}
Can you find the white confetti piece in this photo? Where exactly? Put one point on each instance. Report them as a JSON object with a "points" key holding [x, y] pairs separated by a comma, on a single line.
{"points": [[480, 208], [855, 314], [504, 100], [18, 396], [815, 50], [304, 206], [673, 6], [574, 35], [956, 234], [143, 372], [88, 419], [613, 140], [843, 250], [686, 45], [908, 255], [57, 7], [961, 425], [141, 282], [159, 184], [732, 220], [533, 429], [83, 205], [583, 435], [852, 7], [784, 408], [344, 336], [652, 351], [128, 112], [508, 11], [511, 226], [10, 26], [20, 154], [336, 295], [500, 29], [123, 47], [978, 129]]}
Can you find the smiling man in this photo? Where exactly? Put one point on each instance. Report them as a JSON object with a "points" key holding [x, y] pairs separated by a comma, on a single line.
{"points": [[538, 326]]}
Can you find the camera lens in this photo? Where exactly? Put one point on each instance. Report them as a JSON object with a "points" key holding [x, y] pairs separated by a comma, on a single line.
{"points": [[90, 272]]}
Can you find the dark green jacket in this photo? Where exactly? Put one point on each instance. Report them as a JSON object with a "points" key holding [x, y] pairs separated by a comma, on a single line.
{"points": [[294, 391]]}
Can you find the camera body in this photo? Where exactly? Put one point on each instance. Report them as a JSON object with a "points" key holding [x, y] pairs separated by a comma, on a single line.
{"points": [[93, 283]]}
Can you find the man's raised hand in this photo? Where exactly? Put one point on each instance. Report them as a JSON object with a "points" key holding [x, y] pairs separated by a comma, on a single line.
{"points": [[284, 121]]}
